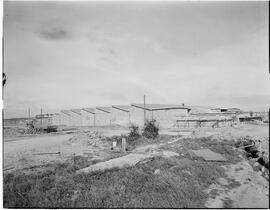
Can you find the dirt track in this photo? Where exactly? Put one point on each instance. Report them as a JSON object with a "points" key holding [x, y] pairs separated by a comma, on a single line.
{"points": [[252, 192], [18, 153]]}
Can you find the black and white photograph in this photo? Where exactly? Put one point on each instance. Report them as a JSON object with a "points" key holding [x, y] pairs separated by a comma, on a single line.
{"points": [[135, 104]]}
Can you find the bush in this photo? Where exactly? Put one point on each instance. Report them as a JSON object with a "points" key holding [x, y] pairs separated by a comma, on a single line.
{"points": [[134, 133], [150, 129]]}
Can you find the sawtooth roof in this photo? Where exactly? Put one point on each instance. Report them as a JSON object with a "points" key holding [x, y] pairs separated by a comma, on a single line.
{"points": [[67, 112], [153, 107], [90, 110], [104, 109], [124, 108], [76, 111]]}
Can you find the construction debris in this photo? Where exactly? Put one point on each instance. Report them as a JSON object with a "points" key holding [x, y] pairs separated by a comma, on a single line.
{"points": [[255, 148]]}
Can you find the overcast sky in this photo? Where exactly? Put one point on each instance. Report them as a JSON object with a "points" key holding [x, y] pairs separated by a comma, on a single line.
{"points": [[61, 55]]}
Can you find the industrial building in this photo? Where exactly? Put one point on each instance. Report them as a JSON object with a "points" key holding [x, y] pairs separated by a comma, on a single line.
{"points": [[88, 117], [165, 115], [65, 117], [103, 116], [76, 117], [120, 115]]}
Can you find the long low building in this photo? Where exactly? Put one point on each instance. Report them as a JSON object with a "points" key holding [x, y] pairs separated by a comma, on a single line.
{"points": [[76, 117], [65, 117], [103, 116], [120, 115], [204, 120], [88, 117], [165, 115]]}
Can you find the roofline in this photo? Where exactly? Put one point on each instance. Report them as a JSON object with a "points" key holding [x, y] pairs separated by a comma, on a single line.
{"points": [[140, 107], [75, 112], [63, 111], [157, 109], [84, 109], [100, 109], [19, 118], [115, 107], [217, 113]]}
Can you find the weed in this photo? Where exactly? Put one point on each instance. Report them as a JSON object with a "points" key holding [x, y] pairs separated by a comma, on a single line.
{"points": [[150, 129], [133, 187], [133, 133]]}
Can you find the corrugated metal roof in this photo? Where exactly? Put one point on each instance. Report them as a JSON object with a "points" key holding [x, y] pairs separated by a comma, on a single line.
{"points": [[121, 107], [153, 107], [76, 111], [90, 110], [104, 109]]}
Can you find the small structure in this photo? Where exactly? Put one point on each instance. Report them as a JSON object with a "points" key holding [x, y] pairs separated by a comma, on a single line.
{"points": [[88, 117], [204, 120], [44, 120], [165, 115], [103, 116], [120, 115]]}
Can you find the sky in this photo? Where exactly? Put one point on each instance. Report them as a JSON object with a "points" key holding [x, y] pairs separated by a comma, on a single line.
{"points": [[63, 55]]}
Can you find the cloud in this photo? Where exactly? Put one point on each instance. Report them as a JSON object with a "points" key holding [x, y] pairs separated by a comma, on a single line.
{"points": [[56, 33]]}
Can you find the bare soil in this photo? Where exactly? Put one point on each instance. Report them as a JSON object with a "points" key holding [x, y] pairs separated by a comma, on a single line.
{"points": [[242, 187]]}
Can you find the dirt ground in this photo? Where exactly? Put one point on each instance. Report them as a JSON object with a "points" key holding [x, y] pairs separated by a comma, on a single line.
{"points": [[251, 190]]}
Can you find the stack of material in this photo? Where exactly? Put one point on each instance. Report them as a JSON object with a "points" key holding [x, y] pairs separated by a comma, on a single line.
{"points": [[256, 147], [87, 138]]}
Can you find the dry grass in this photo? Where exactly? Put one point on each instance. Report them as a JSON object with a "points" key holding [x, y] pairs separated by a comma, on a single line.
{"points": [[180, 184], [226, 148]]}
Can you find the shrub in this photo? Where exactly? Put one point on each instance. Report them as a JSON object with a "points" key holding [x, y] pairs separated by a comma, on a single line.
{"points": [[134, 132], [150, 129]]}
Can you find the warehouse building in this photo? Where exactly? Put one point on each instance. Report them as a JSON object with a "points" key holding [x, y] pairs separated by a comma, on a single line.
{"points": [[65, 117], [88, 117], [56, 119], [165, 115], [120, 115], [76, 118], [103, 116]]}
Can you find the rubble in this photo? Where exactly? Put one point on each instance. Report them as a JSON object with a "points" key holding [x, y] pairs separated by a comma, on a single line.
{"points": [[87, 138], [256, 149]]}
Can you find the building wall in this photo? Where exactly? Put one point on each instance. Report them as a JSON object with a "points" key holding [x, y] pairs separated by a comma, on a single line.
{"points": [[137, 116], [102, 118], [76, 120], [165, 118], [45, 121], [119, 117], [65, 119], [56, 120], [197, 110], [88, 119]]}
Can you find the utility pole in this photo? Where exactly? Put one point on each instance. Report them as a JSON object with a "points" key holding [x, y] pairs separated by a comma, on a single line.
{"points": [[41, 116], [144, 113]]}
